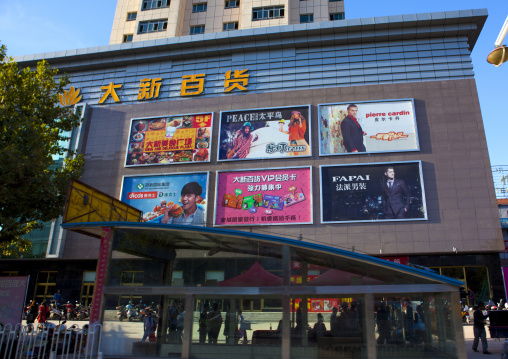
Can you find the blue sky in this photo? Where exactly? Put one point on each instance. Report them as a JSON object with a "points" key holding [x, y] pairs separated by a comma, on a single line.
{"points": [[35, 26]]}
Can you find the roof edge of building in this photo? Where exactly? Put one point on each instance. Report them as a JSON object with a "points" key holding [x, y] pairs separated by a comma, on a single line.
{"points": [[467, 23]]}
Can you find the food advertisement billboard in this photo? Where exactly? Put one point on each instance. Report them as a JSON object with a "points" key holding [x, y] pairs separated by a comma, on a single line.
{"points": [[169, 140], [12, 299], [170, 198], [278, 132], [372, 192], [276, 196], [367, 127]]}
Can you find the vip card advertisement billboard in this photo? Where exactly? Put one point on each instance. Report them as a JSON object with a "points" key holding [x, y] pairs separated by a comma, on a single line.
{"points": [[169, 140], [278, 196], [278, 132], [12, 299], [367, 127], [372, 192], [168, 199]]}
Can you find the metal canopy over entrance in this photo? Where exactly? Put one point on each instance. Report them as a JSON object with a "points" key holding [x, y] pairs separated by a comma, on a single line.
{"points": [[179, 269]]}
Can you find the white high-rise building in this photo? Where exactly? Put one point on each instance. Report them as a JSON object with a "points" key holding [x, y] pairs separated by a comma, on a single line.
{"points": [[139, 20]]}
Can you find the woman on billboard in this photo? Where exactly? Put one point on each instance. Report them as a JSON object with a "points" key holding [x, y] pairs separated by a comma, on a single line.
{"points": [[296, 131]]}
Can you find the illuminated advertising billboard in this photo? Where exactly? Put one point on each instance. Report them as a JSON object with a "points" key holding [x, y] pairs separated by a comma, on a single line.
{"points": [[278, 132], [367, 127], [169, 140], [276, 196], [372, 192], [168, 199]]}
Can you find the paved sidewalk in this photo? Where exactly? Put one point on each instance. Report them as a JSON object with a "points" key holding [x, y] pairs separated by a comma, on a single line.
{"points": [[495, 345]]}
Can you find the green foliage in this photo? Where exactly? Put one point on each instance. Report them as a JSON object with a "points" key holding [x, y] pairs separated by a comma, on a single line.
{"points": [[32, 128]]}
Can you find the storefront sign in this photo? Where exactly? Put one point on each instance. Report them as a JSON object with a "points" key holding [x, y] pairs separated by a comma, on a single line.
{"points": [[168, 199], [12, 299], [192, 85], [169, 140], [278, 196], [278, 132], [359, 127], [372, 192]]}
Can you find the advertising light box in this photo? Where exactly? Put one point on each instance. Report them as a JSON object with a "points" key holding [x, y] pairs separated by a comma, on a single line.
{"points": [[277, 196], [278, 132], [367, 127], [169, 140], [372, 192], [168, 199]]}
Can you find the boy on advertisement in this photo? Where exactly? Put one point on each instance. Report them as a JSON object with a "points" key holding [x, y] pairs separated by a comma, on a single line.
{"points": [[192, 215]]}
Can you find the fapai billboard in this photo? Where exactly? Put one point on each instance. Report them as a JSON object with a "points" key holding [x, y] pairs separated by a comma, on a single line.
{"points": [[278, 132], [168, 199], [372, 192], [169, 140], [278, 196], [12, 299], [367, 127]]}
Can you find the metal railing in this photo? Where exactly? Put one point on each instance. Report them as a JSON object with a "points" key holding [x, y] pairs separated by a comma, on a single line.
{"points": [[50, 342]]}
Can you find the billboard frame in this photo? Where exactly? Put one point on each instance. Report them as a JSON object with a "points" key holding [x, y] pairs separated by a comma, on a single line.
{"points": [[172, 174], [263, 169], [369, 152], [424, 200], [125, 165], [309, 128]]}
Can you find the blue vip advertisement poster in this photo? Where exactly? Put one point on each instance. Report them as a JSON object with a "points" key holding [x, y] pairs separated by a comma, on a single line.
{"points": [[168, 199]]}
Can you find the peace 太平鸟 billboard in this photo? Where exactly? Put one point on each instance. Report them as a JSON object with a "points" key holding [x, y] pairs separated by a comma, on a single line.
{"points": [[275, 196], [367, 127], [279, 132], [166, 140], [169, 198], [372, 192]]}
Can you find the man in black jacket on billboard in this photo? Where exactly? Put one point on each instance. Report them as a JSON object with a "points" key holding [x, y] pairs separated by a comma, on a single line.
{"points": [[395, 195], [352, 132]]}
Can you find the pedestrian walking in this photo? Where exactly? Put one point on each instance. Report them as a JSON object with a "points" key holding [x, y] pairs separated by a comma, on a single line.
{"points": [[479, 329]]}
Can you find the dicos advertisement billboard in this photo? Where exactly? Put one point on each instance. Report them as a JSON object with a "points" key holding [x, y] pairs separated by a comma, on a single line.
{"points": [[169, 140], [372, 192], [367, 127], [278, 132], [169, 198], [276, 196]]}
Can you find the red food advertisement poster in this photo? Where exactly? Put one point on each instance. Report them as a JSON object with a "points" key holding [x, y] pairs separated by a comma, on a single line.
{"points": [[259, 197]]}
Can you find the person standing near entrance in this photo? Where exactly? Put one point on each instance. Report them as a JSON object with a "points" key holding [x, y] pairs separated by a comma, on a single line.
{"points": [[479, 329]]}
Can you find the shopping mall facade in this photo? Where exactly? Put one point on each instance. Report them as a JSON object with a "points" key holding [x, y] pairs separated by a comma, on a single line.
{"points": [[285, 151]]}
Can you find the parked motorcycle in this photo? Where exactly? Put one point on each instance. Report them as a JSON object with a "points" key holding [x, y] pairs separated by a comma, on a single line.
{"points": [[121, 312], [71, 311], [57, 311]]}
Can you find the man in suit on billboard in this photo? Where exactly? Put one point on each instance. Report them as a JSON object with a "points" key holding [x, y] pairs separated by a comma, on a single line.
{"points": [[395, 195], [352, 132]]}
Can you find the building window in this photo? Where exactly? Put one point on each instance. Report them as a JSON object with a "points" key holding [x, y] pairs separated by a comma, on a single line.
{"points": [[127, 38], [335, 0], [229, 4], [306, 18], [199, 7], [230, 26], [153, 26], [45, 286], [199, 29], [267, 13], [87, 288], [132, 278], [131, 16], [337, 16], [154, 4]]}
